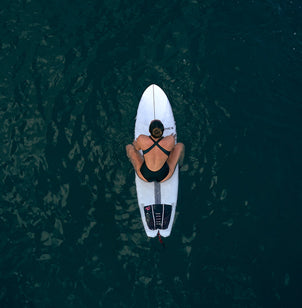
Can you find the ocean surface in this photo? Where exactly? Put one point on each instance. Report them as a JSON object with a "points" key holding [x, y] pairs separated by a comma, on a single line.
{"points": [[72, 74]]}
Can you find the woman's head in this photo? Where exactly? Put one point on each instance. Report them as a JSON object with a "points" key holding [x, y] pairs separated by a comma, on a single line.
{"points": [[156, 129]]}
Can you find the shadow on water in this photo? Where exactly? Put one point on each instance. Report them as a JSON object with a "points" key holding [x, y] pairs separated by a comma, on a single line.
{"points": [[71, 79]]}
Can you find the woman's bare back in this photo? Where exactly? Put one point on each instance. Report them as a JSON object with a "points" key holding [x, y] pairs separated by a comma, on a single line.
{"points": [[156, 157]]}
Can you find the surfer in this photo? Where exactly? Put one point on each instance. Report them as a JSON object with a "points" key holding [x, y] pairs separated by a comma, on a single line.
{"points": [[160, 154]]}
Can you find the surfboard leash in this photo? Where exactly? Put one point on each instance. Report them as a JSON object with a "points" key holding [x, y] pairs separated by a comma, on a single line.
{"points": [[160, 239]]}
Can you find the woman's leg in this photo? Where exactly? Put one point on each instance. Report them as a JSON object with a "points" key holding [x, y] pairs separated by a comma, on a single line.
{"points": [[176, 156], [136, 159]]}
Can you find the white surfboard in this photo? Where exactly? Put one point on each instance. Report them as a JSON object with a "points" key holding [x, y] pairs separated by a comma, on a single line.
{"points": [[157, 201]]}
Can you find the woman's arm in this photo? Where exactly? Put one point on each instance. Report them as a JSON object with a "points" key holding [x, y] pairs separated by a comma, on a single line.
{"points": [[136, 144]]}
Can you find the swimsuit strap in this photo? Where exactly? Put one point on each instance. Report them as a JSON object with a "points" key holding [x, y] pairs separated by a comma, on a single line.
{"points": [[158, 145], [155, 143]]}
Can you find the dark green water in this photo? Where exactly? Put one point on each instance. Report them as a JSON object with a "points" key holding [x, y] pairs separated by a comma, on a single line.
{"points": [[72, 74]]}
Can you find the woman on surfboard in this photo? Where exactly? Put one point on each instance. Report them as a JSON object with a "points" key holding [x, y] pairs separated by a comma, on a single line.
{"points": [[160, 154]]}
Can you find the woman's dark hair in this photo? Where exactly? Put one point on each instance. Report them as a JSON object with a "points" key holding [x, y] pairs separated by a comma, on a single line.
{"points": [[156, 128]]}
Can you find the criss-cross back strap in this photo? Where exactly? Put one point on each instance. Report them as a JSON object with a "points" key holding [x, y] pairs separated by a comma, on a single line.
{"points": [[156, 143]]}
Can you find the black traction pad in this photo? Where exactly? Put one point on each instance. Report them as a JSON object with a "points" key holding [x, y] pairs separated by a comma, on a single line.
{"points": [[158, 216]]}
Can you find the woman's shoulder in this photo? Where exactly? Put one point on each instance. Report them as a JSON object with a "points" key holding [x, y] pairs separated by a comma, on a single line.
{"points": [[170, 138], [168, 142], [142, 138]]}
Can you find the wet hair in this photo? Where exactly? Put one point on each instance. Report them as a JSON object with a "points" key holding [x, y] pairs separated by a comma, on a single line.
{"points": [[156, 128]]}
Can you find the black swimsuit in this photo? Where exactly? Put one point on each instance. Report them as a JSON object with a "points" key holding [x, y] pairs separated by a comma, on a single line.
{"points": [[160, 174]]}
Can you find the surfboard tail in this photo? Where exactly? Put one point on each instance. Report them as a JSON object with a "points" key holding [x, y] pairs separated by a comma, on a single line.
{"points": [[158, 219]]}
